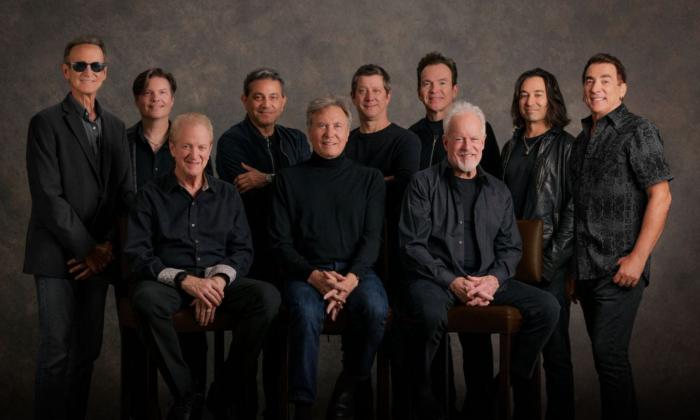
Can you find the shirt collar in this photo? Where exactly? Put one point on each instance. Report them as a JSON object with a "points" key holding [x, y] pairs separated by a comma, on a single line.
{"points": [[614, 117], [80, 109], [446, 170], [172, 183]]}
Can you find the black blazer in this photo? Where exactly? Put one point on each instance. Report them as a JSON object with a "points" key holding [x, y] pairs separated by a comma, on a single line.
{"points": [[73, 206]]}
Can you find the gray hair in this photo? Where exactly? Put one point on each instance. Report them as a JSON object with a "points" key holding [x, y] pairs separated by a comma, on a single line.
{"points": [[190, 118], [82, 40], [464, 107], [319, 104], [260, 74]]}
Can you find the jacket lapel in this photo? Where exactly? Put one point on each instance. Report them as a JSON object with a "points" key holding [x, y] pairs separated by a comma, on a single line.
{"points": [[76, 126]]}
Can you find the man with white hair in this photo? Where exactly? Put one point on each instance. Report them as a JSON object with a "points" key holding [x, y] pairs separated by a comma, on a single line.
{"points": [[461, 246]]}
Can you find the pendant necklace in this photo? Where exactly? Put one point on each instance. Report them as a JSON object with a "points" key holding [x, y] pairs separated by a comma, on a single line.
{"points": [[528, 148]]}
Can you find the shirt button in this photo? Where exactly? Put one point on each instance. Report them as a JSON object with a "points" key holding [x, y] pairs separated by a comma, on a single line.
{"points": [[192, 224], [461, 221], [198, 258], [156, 169], [196, 241], [459, 242]]}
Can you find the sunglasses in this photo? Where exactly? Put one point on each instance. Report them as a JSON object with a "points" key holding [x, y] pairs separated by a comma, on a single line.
{"points": [[81, 66]]}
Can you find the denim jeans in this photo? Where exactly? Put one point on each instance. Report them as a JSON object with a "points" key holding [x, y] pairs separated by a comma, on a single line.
{"points": [[71, 317], [367, 309]]}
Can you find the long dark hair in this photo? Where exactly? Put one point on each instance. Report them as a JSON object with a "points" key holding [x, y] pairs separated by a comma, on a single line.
{"points": [[556, 108]]}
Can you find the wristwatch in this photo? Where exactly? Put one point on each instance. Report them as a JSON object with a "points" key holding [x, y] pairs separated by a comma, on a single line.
{"points": [[269, 178], [179, 278]]}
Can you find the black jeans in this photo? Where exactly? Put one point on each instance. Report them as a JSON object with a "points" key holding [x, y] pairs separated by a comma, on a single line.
{"points": [[426, 305], [609, 311], [71, 316], [254, 305]]}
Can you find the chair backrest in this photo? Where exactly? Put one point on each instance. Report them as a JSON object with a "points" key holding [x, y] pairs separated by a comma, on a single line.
{"points": [[530, 267]]}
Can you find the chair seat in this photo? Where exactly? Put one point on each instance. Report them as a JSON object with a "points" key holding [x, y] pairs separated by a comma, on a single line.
{"points": [[183, 319], [484, 319]]}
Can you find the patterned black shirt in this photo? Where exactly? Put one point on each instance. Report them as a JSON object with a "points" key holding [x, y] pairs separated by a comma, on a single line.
{"points": [[611, 169]]}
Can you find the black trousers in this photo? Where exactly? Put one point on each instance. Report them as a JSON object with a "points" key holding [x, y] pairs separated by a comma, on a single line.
{"points": [[253, 304], [609, 311], [426, 303]]}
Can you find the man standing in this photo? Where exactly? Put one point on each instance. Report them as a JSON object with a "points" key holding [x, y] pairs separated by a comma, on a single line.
{"points": [[252, 152], [437, 89], [189, 242], [249, 155], [326, 225], [378, 142], [78, 170], [461, 246], [395, 151], [621, 200], [536, 171]]}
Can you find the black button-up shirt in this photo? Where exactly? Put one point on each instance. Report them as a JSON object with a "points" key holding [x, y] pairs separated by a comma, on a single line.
{"points": [[170, 231], [611, 169], [93, 129], [431, 231], [146, 164]]}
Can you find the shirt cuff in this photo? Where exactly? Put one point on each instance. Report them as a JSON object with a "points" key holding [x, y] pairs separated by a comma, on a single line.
{"points": [[224, 269], [167, 276]]}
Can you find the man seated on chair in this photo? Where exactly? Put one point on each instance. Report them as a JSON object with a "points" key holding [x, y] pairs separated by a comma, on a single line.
{"points": [[188, 240], [461, 246], [325, 227]]}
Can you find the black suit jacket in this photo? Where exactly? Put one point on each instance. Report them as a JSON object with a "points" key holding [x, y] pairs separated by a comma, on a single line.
{"points": [[75, 199]]}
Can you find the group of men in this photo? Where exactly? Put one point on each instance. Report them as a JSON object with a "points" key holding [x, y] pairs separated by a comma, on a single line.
{"points": [[299, 222]]}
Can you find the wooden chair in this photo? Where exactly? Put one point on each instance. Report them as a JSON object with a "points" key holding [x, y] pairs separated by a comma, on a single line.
{"points": [[503, 320], [184, 322]]}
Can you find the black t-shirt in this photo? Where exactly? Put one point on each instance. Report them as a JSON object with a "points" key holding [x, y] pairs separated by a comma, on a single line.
{"points": [[519, 170], [468, 190]]}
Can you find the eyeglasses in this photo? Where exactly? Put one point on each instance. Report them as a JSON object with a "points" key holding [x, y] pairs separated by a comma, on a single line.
{"points": [[81, 66]]}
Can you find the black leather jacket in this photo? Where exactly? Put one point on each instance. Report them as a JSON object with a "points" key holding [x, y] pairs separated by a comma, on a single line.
{"points": [[549, 196]]}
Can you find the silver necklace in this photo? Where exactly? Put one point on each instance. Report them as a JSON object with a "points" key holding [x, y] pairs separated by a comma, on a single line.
{"points": [[532, 146]]}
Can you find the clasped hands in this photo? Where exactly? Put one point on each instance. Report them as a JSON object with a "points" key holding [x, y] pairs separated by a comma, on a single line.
{"points": [[208, 293], [334, 287], [95, 262], [475, 290]]}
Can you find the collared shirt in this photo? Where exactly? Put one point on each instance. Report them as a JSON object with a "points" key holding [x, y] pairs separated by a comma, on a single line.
{"points": [[611, 169], [93, 129], [147, 164], [431, 232], [170, 231]]}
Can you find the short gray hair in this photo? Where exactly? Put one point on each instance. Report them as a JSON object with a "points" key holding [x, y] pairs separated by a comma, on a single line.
{"points": [[190, 118], [464, 107], [319, 104], [82, 40]]}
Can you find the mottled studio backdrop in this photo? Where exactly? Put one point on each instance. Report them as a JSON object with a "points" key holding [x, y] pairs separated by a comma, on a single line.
{"points": [[211, 45]]}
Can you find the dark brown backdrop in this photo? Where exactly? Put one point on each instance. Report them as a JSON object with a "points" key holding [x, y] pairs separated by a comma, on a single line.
{"points": [[210, 45]]}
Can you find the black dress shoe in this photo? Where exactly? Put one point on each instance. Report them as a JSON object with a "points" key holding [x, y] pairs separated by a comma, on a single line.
{"points": [[187, 408], [216, 406], [364, 400], [342, 405]]}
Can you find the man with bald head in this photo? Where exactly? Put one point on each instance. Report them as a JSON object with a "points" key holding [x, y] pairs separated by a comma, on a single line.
{"points": [[188, 241], [461, 246]]}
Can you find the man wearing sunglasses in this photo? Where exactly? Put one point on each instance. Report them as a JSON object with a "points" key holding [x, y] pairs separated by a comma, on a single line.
{"points": [[78, 170]]}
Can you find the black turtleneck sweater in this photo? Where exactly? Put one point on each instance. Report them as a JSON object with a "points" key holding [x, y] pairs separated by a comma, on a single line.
{"points": [[325, 211]]}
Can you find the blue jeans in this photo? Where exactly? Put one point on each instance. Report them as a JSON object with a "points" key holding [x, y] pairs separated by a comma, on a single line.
{"points": [[71, 317], [367, 309]]}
